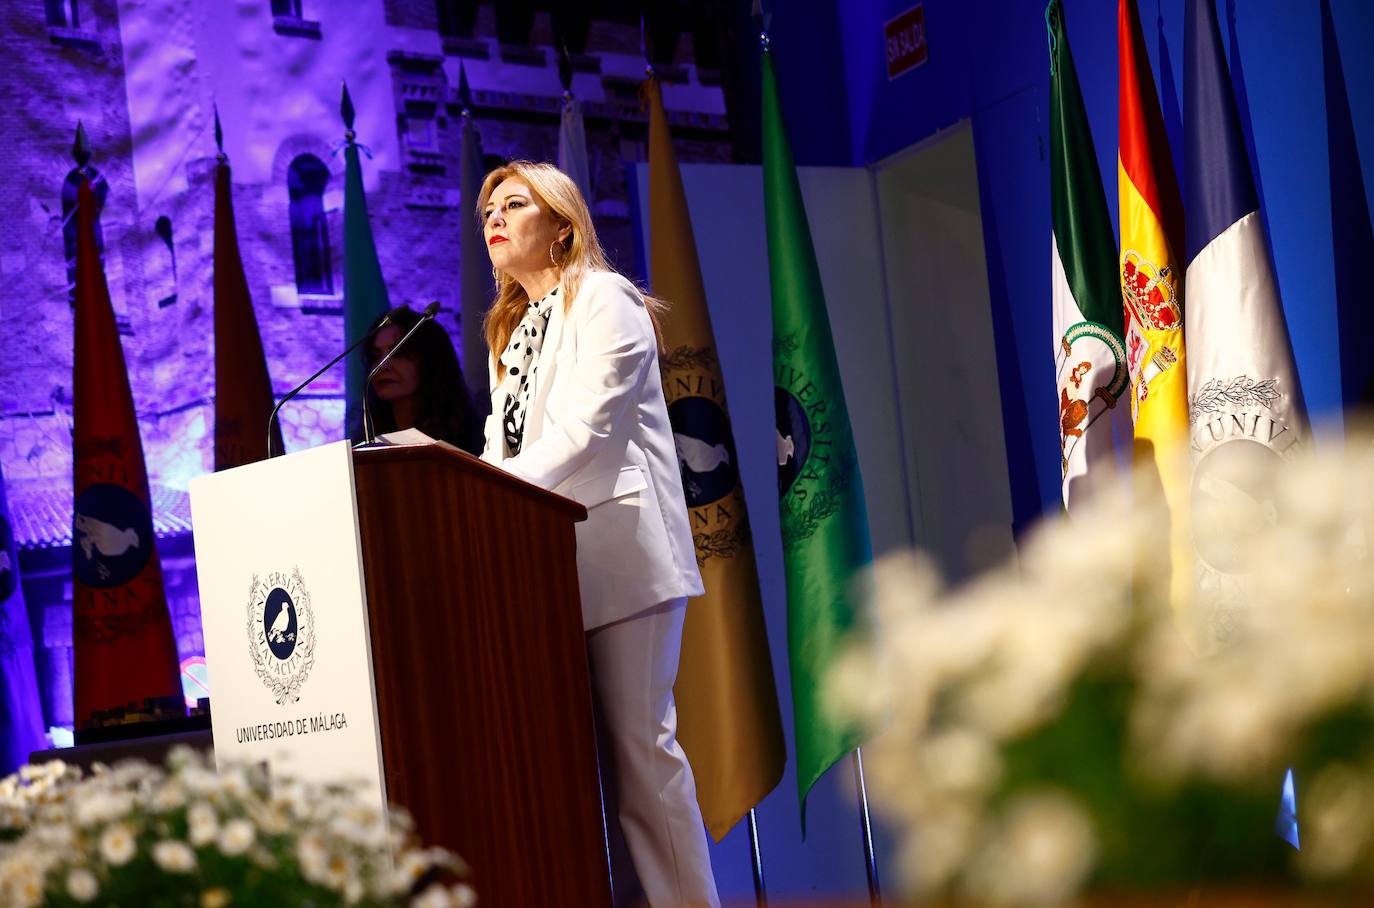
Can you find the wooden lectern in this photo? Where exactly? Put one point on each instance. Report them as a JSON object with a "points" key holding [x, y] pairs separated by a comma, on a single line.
{"points": [[478, 665]]}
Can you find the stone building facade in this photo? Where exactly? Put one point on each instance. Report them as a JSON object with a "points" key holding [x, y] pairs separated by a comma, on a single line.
{"points": [[145, 78]]}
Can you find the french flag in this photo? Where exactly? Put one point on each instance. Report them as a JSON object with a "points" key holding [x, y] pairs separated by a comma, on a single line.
{"points": [[1242, 383]]}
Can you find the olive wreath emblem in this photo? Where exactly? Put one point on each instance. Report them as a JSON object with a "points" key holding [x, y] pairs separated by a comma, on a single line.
{"points": [[1240, 391], [284, 688], [725, 543], [703, 358], [801, 522]]}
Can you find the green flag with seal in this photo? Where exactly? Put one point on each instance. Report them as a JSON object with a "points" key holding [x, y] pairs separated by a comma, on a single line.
{"points": [[821, 498], [365, 297]]}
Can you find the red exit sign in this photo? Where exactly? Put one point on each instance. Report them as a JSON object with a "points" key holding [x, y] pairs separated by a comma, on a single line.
{"points": [[905, 38]]}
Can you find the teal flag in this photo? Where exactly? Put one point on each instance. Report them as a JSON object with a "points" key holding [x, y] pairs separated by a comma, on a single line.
{"points": [[821, 495], [365, 298]]}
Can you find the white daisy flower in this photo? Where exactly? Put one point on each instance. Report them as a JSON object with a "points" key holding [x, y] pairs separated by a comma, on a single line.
{"points": [[435, 896], [82, 885], [99, 807], [237, 837], [203, 824], [117, 845], [174, 857]]}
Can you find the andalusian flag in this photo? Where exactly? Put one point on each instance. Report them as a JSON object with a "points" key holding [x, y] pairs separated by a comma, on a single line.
{"points": [[821, 496], [1246, 403], [1152, 292], [727, 704], [365, 298], [1089, 357]]}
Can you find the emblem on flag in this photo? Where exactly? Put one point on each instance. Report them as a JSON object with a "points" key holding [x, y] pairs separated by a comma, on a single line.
{"points": [[281, 633], [112, 530], [1149, 292], [1086, 347], [1150, 297], [812, 478], [705, 452]]}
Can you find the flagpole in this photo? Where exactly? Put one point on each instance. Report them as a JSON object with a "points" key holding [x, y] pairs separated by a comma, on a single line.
{"points": [[756, 859], [875, 894]]}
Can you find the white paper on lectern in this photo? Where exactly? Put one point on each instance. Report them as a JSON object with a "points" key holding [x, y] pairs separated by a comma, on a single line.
{"points": [[290, 523], [405, 437]]}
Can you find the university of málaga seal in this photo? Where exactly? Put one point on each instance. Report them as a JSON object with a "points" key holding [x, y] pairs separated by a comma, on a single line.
{"points": [[1240, 426], [112, 535], [695, 393], [812, 474], [281, 633]]}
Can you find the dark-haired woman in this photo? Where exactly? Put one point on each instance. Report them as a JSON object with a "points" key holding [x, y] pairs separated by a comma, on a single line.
{"points": [[422, 385]]}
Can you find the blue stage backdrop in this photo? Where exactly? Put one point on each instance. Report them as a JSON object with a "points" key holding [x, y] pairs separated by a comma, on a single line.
{"points": [[1306, 88]]}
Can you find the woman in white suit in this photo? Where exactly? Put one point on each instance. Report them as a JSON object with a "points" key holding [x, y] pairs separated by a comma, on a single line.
{"points": [[578, 408]]}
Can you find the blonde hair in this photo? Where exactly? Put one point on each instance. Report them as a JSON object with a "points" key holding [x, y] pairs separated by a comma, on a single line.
{"points": [[576, 257]]}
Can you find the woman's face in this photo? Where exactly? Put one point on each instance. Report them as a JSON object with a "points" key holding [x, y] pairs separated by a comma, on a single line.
{"points": [[519, 230], [400, 377]]}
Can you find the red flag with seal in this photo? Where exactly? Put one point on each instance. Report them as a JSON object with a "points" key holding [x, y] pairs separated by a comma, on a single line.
{"points": [[243, 390], [121, 632]]}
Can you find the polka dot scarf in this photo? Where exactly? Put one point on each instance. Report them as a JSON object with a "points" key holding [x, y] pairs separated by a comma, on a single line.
{"points": [[521, 359]]}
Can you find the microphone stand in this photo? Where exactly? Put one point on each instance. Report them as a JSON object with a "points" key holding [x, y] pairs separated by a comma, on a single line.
{"points": [[368, 437], [302, 386]]}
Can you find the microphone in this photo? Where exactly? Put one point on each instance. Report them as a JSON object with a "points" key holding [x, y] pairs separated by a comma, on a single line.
{"points": [[386, 320], [430, 311]]}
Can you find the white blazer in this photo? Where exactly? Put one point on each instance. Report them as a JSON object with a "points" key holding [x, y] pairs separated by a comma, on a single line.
{"points": [[597, 432]]}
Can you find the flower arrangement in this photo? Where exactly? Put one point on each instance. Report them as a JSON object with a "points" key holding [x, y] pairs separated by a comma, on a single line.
{"points": [[1064, 723], [186, 835]]}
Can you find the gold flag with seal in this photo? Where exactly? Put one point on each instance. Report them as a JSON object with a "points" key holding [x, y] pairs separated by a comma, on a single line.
{"points": [[727, 703]]}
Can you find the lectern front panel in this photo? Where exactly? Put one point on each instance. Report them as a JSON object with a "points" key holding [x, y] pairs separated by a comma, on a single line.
{"points": [[285, 624], [481, 671]]}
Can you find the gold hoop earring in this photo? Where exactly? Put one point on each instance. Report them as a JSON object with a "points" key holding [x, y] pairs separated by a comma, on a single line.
{"points": [[553, 261]]}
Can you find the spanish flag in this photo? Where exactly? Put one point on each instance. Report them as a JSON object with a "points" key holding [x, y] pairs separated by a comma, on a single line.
{"points": [[1152, 291], [727, 703]]}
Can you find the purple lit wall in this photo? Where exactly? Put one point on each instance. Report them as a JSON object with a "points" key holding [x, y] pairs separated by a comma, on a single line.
{"points": [[144, 76]]}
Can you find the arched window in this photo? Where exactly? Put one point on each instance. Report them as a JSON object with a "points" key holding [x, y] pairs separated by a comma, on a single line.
{"points": [[70, 186], [163, 274], [305, 181]]}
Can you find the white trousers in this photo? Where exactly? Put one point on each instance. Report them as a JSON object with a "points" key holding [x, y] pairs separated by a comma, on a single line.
{"points": [[634, 664]]}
